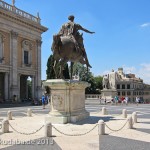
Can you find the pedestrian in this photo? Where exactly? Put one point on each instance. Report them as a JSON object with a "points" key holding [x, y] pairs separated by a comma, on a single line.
{"points": [[46, 99], [112, 101], [122, 100], [116, 99], [105, 100], [126, 100], [137, 101], [43, 101]]}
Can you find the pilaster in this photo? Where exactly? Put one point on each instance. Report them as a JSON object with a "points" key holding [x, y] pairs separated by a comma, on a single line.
{"points": [[38, 74], [6, 85], [14, 58]]}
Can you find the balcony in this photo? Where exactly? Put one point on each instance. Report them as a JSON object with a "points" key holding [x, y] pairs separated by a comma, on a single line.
{"points": [[13, 9]]}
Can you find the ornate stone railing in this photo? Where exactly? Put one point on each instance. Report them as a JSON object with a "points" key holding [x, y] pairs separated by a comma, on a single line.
{"points": [[92, 96], [19, 12]]}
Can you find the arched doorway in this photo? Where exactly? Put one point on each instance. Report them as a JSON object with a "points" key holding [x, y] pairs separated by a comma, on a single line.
{"points": [[25, 87]]}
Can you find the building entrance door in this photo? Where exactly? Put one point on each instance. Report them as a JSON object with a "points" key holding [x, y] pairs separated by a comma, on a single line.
{"points": [[23, 87]]}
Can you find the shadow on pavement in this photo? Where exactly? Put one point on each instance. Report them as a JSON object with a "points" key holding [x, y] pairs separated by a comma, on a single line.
{"points": [[118, 143], [94, 120], [143, 130]]}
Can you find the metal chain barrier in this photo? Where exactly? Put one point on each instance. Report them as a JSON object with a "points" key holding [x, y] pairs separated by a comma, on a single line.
{"points": [[118, 129], [78, 134], [26, 133]]}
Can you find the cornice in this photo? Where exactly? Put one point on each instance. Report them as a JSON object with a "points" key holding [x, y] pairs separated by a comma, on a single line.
{"points": [[21, 20]]}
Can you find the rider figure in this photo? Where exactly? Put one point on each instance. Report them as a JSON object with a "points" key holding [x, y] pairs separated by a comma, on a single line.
{"points": [[71, 29]]}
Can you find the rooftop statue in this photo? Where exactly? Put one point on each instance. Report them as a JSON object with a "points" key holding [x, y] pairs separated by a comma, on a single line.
{"points": [[68, 46]]}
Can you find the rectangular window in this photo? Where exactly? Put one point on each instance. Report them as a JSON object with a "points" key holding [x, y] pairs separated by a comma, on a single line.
{"points": [[118, 93], [128, 86], [123, 86], [118, 86], [26, 60], [128, 93], [123, 93]]}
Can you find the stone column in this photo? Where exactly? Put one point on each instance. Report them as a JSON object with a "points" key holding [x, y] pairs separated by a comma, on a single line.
{"points": [[14, 58], [6, 85], [33, 87], [38, 74], [19, 87], [27, 87]]}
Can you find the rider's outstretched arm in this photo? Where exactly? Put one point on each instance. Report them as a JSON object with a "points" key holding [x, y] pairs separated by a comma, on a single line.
{"points": [[83, 29]]}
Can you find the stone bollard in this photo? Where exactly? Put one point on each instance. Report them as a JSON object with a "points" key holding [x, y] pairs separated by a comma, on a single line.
{"points": [[104, 111], [29, 112], [5, 126], [134, 117], [9, 115], [130, 123], [48, 130], [101, 127], [124, 113]]}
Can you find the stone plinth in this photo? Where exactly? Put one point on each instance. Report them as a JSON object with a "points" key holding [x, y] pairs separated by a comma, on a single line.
{"points": [[108, 93], [67, 101]]}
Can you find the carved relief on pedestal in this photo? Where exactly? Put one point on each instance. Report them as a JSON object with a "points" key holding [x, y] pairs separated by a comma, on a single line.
{"points": [[57, 102]]}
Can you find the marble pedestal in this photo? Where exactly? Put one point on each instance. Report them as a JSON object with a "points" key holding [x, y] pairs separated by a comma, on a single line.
{"points": [[67, 101], [108, 93]]}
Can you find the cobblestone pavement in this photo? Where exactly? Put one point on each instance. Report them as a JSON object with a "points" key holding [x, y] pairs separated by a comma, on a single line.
{"points": [[130, 139]]}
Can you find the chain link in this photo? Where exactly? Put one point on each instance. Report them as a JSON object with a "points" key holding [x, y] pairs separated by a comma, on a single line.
{"points": [[79, 134], [0, 126], [26, 133], [118, 129]]}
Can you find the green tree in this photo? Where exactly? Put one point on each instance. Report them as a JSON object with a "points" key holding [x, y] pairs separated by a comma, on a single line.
{"points": [[29, 84], [50, 71], [98, 83], [86, 75]]}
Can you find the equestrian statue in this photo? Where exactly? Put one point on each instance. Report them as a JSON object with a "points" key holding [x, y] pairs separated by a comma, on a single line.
{"points": [[68, 46]]}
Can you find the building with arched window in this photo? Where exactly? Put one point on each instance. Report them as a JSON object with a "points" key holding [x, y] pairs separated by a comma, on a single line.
{"points": [[20, 52]]}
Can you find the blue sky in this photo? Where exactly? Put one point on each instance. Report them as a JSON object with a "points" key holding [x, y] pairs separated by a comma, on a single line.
{"points": [[122, 27]]}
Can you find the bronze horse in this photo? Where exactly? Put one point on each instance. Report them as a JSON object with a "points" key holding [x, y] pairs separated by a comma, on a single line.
{"points": [[64, 51]]}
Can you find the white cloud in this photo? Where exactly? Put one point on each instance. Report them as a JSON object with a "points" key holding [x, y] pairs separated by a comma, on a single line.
{"points": [[145, 25]]}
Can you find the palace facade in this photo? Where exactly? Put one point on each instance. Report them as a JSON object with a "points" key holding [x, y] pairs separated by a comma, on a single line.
{"points": [[131, 86], [20, 52]]}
